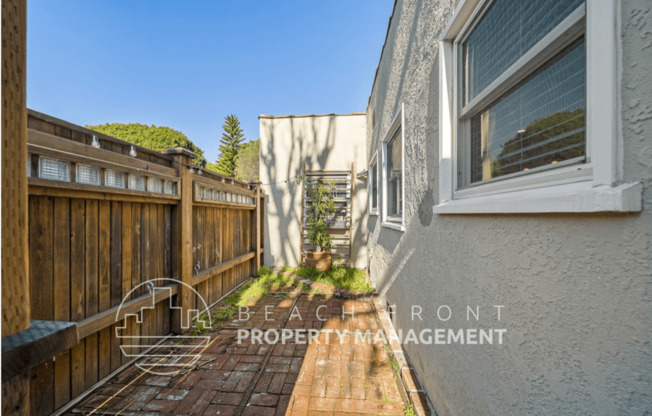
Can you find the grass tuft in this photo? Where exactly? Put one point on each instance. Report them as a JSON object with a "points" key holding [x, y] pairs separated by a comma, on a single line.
{"points": [[341, 277], [253, 290]]}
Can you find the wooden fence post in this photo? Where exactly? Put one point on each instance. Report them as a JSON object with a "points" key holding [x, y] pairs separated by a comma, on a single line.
{"points": [[182, 238], [15, 276]]}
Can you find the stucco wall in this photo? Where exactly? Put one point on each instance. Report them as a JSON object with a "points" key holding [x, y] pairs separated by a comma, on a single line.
{"points": [[576, 289], [330, 142]]}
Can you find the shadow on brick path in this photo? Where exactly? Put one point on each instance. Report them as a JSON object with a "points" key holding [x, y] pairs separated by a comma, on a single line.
{"points": [[333, 375]]}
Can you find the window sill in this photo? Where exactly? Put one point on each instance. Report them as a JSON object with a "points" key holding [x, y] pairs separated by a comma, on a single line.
{"points": [[393, 226], [578, 197], [374, 213]]}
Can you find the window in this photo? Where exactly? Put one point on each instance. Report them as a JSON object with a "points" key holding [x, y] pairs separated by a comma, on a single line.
{"points": [[154, 185], [373, 185], [114, 178], [136, 182], [393, 175], [53, 169], [528, 109], [88, 174]]}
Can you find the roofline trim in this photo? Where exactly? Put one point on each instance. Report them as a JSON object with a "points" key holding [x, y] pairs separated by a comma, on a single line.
{"points": [[265, 116]]}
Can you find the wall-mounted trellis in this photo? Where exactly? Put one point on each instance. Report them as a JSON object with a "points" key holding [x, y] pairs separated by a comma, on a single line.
{"points": [[341, 230]]}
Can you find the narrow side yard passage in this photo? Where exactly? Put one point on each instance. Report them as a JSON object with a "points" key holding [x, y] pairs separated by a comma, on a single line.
{"points": [[335, 374]]}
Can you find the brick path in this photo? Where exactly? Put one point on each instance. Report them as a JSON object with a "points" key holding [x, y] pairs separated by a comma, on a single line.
{"points": [[331, 377]]}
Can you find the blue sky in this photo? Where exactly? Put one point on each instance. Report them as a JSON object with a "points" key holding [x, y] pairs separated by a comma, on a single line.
{"points": [[188, 64]]}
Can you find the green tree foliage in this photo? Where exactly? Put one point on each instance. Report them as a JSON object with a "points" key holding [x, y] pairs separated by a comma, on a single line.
{"points": [[211, 166], [151, 137], [230, 145], [246, 164], [321, 213]]}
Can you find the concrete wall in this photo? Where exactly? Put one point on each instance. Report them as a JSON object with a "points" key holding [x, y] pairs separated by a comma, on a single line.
{"points": [[576, 288], [329, 142]]}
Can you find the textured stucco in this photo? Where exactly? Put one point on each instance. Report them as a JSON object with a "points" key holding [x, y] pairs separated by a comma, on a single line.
{"points": [[330, 142], [575, 288]]}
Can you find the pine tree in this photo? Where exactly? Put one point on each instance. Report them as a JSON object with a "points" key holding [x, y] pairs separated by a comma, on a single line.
{"points": [[229, 145]]}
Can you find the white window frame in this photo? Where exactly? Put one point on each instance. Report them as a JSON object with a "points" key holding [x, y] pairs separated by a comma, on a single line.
{"points": [[393, 222], [594, 186], [374, 163]]}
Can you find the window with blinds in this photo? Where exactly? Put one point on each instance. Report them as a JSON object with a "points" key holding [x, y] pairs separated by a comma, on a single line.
{"points": [[373, 185], [522, 89]]}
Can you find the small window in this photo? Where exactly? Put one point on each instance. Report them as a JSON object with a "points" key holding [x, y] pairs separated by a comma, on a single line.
{"points": [[53, 169], [154, 185], [88, 174], [393, 178], [373, 185], [114, 178], [137, 182], [170, 187]]}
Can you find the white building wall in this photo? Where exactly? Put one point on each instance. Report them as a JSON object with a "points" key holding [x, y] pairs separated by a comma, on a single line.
{"points": [[325, 142], [576, 289]]}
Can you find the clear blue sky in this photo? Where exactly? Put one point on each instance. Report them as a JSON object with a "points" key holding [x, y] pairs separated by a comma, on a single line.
{"points": [[187, 64]]}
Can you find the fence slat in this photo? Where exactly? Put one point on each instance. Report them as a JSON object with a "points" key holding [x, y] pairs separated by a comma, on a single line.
{"points": [[62, 290]]}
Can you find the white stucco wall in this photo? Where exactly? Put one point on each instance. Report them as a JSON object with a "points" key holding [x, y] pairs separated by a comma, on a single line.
{"points": [[576, 289], [328, 142]]}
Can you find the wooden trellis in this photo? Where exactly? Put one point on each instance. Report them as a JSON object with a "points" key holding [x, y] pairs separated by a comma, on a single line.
{"points": [[341, 230]]}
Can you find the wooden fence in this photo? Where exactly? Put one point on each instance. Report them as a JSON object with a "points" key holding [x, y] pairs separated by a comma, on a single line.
{"points": [[104, 217]]}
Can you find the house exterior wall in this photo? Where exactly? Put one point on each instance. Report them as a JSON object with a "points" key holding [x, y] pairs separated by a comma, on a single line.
{"points": [[575, 288], [329, 142]]}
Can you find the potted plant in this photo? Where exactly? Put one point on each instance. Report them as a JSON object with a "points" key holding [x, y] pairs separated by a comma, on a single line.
{"points": [[320, 218]]}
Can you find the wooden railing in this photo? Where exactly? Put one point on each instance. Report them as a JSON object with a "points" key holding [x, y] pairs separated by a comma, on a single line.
{"points": [[106, 216]]}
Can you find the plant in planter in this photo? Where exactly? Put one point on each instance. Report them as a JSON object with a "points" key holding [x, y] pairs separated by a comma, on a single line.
{"points": [[320, 218]]}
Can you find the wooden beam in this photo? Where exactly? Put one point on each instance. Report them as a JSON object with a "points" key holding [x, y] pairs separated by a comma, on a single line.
{"points": [[182, 266], [81, 159], [221, 268], [115, 314], [50, 141], [40, 342], [224, 186], [47, 187], [79, 131]]}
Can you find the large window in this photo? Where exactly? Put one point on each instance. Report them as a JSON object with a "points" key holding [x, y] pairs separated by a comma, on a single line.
{"points": [[373, 185], [393, 174], [528, 109], [539, 122]]}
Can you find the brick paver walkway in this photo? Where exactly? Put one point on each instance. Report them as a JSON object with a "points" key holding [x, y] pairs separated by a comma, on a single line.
{"points": [[333, 375]]}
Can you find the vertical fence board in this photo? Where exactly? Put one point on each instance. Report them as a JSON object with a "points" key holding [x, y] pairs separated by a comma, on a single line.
{"points": [[41, 212], [104, 256], [104, 353], [136, 252], [104, 289], [42, 381], [61, 294], [144, 267], [126, 259], [92, 288]]}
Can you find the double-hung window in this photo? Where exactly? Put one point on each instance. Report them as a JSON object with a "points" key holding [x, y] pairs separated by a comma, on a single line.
{"points": [[528, 109], [373, 185], [393, 177]]}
